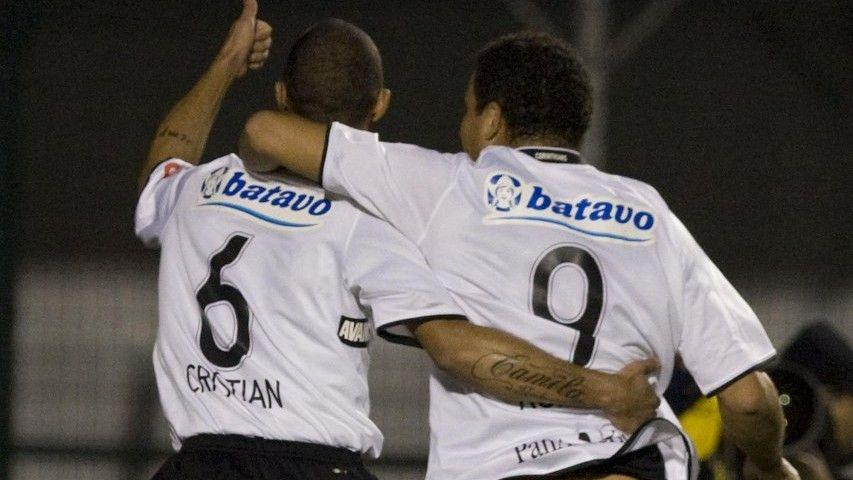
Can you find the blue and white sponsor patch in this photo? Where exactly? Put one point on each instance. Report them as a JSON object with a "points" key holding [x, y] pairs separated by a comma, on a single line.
{"points": [[269, 202], [510, 200]]}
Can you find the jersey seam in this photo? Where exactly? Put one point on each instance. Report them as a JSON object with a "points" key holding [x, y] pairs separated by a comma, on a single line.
{"points": [[441, 199], [347, 243], [411, 341]]}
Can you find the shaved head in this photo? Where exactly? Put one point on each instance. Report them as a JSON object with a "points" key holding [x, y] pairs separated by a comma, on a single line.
{"points": [[334, 73]]}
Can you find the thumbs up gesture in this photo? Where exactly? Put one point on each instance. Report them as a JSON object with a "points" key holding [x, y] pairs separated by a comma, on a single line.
{"points": [[247, 45]]}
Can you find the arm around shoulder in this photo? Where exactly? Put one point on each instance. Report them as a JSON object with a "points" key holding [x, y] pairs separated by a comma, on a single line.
{"points": [[513, 370], [273, 139]]}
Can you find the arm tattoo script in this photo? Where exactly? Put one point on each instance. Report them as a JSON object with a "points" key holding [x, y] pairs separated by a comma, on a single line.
{"points": [[181, 137], [520, 376]]}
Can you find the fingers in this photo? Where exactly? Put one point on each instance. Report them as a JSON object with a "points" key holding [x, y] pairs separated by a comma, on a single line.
{"points": [[250, 10], [263, 30], [259, 57], [654, 403], [261, 46], [641, 367], [263, 42]]}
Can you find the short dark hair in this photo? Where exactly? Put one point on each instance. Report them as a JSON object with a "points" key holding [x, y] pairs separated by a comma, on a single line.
{"points": [[540, 84], [334, 73]]}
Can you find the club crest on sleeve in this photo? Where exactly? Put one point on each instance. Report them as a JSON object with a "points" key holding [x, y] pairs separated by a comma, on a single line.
{"points": [[213, 182], [511, 200], [354, 332], [268, 201], [171, 168]]}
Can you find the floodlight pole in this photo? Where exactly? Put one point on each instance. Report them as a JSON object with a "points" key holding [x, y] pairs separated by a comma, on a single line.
{"points": [[592, 40]]}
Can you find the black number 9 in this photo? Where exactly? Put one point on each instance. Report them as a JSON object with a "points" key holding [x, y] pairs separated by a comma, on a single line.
{"points": [[587, 324]]}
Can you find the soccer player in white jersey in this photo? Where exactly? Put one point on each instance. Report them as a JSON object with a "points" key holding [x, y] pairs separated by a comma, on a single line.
{"points": [[268, 289], [591, 267]]}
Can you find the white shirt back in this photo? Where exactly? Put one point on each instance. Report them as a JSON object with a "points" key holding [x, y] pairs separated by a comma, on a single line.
{"points": [[588, 266], [267, 294]]}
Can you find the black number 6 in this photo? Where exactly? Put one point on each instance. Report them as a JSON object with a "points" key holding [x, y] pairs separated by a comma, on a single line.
{"points": [[587, 324], [214, 291]]}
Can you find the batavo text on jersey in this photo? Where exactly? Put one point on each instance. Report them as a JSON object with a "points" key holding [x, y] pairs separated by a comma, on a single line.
{"points": [[274, 194]]}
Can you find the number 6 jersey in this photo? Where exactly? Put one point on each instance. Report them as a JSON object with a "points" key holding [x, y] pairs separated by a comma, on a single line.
{"points": [[268, 291], [591, 267]]}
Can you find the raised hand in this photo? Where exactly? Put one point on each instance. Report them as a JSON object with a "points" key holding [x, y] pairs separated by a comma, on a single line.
{"points": [[633, 401], [248, 42]]}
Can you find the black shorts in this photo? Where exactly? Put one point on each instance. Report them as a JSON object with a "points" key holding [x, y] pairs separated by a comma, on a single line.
{"points": [[235, 457], [643, 464]]}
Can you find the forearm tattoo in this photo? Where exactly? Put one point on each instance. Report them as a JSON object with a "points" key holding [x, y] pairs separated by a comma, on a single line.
{"points": [[521, 377], [181, 137]]}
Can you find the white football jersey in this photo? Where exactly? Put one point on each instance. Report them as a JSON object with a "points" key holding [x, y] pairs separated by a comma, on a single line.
{"points": [[267, 295], [591, 267]]}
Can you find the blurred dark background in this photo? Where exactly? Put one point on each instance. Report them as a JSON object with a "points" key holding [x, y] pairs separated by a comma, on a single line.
{"points": [[738, 112]]}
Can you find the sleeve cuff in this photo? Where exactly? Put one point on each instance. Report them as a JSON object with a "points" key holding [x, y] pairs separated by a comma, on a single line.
{"points": [[161, 162], [758, 366], [405, 338]]}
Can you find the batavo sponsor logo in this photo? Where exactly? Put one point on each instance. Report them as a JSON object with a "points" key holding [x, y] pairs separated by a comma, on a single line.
{"points": [[270, 202], [510, 200]]}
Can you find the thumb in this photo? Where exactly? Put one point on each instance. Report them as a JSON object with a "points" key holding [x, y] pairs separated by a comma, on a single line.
{"points": [[250, 10]]}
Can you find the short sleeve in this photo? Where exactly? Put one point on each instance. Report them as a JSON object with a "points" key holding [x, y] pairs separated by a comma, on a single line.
{"points": [[399, 183], [390, 277], [158, 199], [721, 339]]}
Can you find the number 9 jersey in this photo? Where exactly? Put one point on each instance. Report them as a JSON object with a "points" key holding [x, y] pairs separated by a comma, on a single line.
{"points": [[268, 292], [591, 267]]}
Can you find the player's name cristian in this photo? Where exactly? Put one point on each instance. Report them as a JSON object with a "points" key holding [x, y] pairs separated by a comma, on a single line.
{"points": [[264, 392]]}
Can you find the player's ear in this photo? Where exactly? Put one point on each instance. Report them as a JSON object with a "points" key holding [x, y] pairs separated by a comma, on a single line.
{"points": [[383, 100], [491, 123], [281, 95]]}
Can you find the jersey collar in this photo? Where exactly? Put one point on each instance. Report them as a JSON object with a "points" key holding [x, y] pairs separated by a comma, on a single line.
{"points": [[552, 154]]}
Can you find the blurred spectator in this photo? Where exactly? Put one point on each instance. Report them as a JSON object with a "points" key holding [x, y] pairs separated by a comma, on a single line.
{"points": [[699, 416], [814, 381], [823, 440]]}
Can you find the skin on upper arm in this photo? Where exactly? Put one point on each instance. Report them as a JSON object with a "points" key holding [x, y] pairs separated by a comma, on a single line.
{"points": [[750, 394], [184, 131], [284, 139]]}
